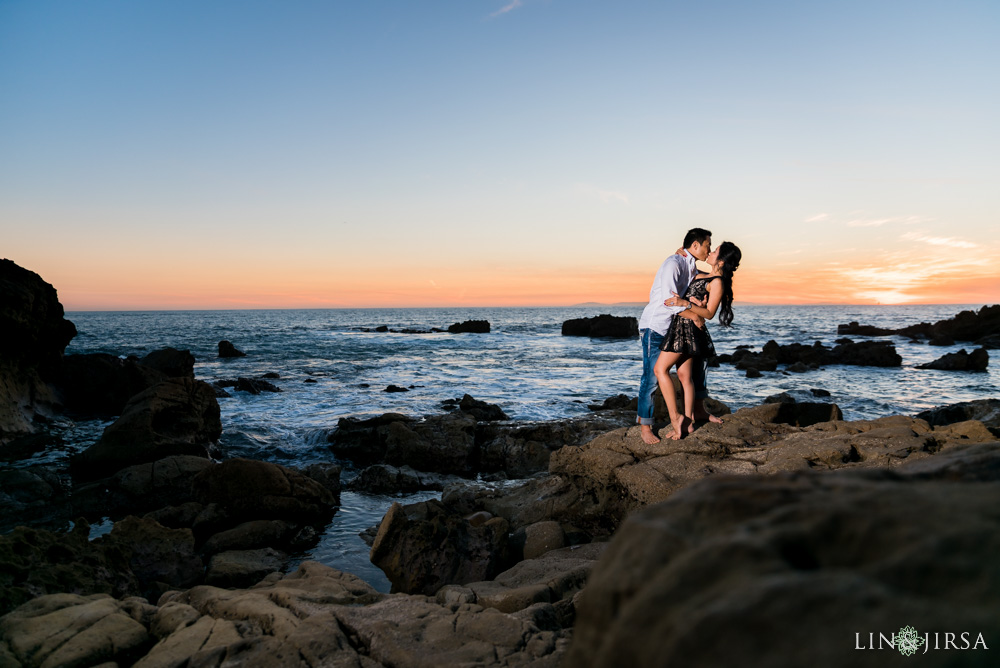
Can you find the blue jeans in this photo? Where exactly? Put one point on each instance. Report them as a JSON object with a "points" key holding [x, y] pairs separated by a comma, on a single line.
{"points": [[651, 341]]}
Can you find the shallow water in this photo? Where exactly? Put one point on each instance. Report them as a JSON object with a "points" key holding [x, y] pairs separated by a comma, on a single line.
{"points": [[524, 364]]}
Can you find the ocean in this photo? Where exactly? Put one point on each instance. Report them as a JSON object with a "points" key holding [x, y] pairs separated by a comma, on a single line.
{"points": [[524, 365]]}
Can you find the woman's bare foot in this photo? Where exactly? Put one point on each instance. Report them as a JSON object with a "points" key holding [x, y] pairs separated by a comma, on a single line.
{"points": [[678, 425], [703, 417], [648, 437]]}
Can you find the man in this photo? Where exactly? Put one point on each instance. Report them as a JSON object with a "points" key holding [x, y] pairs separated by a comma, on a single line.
{"points": [[673, 277]]}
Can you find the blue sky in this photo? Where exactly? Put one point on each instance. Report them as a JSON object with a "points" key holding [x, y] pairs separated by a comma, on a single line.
{"points": [[173, 154]]}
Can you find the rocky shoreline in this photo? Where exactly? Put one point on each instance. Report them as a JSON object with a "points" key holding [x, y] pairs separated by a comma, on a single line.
{"points": [[782, 522]]}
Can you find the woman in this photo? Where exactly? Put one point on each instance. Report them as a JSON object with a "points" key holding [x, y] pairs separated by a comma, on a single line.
{"points": [[685, 340]]}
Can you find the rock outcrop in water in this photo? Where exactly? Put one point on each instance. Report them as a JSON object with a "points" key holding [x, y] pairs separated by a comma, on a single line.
{"points": [[976, 326], [977, 360], [470, 327], [610, 326], [802, 358]]}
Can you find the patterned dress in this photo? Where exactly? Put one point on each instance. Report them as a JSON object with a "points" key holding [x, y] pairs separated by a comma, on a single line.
{"points": [[686, 337]]}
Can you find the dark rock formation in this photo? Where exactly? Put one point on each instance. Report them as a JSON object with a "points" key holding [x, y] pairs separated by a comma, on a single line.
{"points": [[480, 410], [616, 403], [856, 329], [171, 362], [470, 326], [385, 479], [422, 547], [35, 562], [251, 490], [834, 556], [442, 444], [33, 336], [986, 411], [610, 326], [978, 360], [395, 388], [100, 385], [227, 349], [160, 558], [178, 416], [801, 357], [249, 385], [966, 326]]}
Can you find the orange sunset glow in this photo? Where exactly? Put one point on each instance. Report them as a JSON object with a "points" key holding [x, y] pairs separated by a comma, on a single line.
{"points": [[184, 161]]}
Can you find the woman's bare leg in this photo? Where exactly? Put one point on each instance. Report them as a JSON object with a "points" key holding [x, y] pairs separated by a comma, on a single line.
{"points": [[684, 374], [662, 371]]}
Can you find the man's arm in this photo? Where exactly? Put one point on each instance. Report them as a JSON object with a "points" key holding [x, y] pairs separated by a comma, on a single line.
{"points": [[670, 281]]}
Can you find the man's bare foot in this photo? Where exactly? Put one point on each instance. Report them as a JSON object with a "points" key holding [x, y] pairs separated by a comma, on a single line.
{"points": [[678, 425], [648, 437]]}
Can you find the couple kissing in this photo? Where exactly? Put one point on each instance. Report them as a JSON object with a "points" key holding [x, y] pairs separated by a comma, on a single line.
{"points": [[673, 331]]}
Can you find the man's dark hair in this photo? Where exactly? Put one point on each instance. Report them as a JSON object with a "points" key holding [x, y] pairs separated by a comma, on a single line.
{"points": [[695, 234]]}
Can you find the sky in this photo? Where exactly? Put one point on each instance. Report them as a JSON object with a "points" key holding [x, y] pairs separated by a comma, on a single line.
{"points": [[175, 154]]}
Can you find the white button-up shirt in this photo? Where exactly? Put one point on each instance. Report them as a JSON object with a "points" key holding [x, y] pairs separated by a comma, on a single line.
{"points": [[674, 275]]}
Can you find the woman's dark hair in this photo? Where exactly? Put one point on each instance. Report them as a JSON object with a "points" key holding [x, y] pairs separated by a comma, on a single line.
{"points": [[729, 256]]}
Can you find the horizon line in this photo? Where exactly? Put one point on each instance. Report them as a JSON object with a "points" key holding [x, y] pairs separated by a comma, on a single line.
{"points": [[396, 308]]}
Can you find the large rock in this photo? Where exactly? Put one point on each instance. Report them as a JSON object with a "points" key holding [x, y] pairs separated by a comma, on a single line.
{"points": [[470, 327], [442, 443], [319, 616], [35, 562], [99, 384], [252, 490], [966, 326], [856, 329], [171, 362], [423, 546], [482, 411], [978, 360], [165, 482], [34, 336], [864, 353], [32, 494], [610, 326], [986, 411], [242, 568], [719, 573], [178, 416], [385, 479], [598, 484], [74, 630], [227, 349], [547, 584], [160, 558]]}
